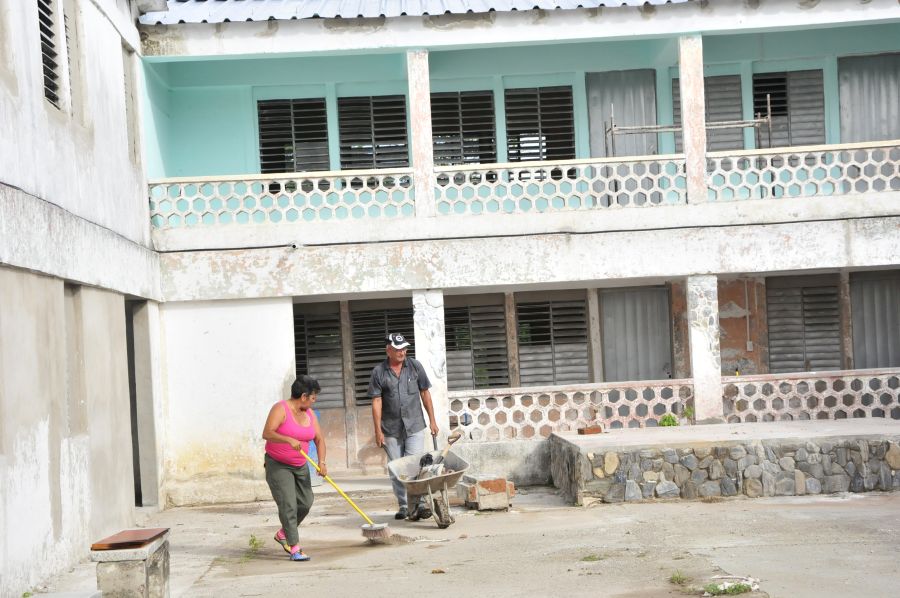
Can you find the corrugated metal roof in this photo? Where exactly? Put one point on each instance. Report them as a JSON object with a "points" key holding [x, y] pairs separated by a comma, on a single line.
{"points": [[219, 11]]}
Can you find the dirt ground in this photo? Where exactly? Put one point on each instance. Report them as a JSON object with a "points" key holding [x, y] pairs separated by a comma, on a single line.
{"points": [[845, 545]]}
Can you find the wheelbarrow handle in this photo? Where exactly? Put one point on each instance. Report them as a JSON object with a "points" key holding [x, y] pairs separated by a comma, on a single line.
{"points": [[434, 441]]}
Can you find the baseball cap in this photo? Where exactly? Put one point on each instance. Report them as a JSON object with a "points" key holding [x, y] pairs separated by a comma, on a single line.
{"points": [[397, 341]]}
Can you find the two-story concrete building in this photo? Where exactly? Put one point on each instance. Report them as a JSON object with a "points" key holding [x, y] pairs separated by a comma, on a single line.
{"points": [[580, 211]]}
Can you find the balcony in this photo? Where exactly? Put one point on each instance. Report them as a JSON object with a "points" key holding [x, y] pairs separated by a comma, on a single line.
{"points": [[481, 190]]}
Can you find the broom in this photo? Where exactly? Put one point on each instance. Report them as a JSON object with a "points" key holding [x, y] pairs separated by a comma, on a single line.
{"points": [[373, 532]]}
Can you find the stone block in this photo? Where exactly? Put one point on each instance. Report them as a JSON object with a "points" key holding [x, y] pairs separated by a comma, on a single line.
{"points": [[884, 477], [753, 488], [710, 489], [647, 489], [667, 489], [650, 476], [813, 486], [705, 462], [799, 482], [857, 483], [668, 470], [702, 453], [737, 452], [754, 472], [699, 476], [689, 490], [599, 473], [731, 467], [840, 456], [610, 462], [768, 484], [141, 572], [784, 484], [670, 456], [801, 454], [488, 492], [616, 494], [649, 453], [836, 483], [689, 461], [771, 467], [682, 474], [716, 470], [892, 456], [593, 488], [632, 491], [728, 487], [786, 463]]}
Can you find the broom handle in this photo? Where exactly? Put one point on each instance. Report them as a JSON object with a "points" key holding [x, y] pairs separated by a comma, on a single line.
{"points": [[341, 492]]}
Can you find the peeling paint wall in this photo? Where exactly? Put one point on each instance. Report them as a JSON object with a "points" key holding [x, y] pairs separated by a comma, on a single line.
{"points": [[743, 333], [226, 364], [65, 436]]}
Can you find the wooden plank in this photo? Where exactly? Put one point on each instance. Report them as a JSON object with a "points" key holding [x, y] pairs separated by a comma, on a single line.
{"points": [[130, 538]]}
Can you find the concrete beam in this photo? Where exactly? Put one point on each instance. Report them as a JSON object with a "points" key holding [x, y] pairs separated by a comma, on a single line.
{"points": [[693, 115], [431, 351], [420, 122], [706, 361]]}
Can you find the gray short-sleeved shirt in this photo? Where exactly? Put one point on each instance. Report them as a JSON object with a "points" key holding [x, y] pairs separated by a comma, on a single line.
{"points": [[401, 407]]}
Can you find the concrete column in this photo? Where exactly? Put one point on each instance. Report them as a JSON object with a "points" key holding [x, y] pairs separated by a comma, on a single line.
{"points": [[703, 322], [693, 114], [149, 408], [431, 350], [846, 320], [594, 335], [351, 423], [420, 122], [512, 340]]}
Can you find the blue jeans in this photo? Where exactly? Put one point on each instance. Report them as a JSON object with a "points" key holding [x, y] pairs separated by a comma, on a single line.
{"points": [[403, 447]]}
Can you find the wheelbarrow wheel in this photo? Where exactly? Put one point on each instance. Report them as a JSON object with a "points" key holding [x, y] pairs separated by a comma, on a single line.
{"points": [[442, 512]]}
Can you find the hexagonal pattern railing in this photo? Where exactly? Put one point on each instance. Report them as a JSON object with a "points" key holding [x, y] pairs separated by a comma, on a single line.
{"points": [[804, 171], [536, 412], [812, 395], [261, 199], [523, 187]]}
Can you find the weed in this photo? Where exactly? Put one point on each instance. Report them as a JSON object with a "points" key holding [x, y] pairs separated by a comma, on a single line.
{"points": [[668, 420], [591, 558], [731, 590], [689, 413], [678, 578], [27, 594], [253, 547]]}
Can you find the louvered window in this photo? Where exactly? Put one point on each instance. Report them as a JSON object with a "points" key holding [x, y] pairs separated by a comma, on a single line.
{"points": [[723, 103], [476, 347], [369, 329], [540, 124], [462, 126], [553, 342], [49, 52], [317, 346], [804, 322], [875, 305], [373, 132], [293, 135], [798, 107]]}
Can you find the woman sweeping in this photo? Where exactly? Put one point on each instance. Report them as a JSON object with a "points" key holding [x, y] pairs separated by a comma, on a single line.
{"points": [[290, 426]]}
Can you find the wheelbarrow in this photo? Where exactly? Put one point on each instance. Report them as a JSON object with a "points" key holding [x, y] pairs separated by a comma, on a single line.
{"points": [[435, 487]]}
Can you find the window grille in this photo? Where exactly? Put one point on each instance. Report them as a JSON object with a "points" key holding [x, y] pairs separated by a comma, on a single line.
{"points": [[553, 342], [462, 125], [49, 54], [369, 329], [293, 135], [318, 353], [804, 319], [373, 132], [723, 103], [540, 124], [476, 347], [798, 107]]}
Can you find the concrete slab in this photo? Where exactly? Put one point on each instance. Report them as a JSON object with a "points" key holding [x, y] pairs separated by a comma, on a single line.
{"points": [[678, 436]]}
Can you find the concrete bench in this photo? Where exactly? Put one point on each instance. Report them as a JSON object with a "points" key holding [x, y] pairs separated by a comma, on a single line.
{"points": [[133, 564]]}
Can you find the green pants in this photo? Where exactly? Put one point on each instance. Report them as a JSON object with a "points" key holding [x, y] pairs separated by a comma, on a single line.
{"points": [[293, 495]]}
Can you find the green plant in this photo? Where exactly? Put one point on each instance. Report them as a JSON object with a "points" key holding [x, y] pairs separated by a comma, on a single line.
{"points": [[591, 558], [668, 420], [255, 543], [678, 578], [689, 413], [714, 589], [27, 594]]}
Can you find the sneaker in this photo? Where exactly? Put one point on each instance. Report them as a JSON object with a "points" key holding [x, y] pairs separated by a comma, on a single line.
{"points": [[401, 513], [281, 538], [297, 554]]}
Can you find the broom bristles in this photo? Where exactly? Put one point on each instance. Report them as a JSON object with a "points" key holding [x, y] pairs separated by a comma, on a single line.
{"points": [[376, 533]]}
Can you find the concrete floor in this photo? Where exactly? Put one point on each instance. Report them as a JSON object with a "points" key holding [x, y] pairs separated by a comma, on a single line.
{"points": [[844, 545]]}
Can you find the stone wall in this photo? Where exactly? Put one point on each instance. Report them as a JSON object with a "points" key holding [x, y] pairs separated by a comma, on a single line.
{"points": [[784, 467]]}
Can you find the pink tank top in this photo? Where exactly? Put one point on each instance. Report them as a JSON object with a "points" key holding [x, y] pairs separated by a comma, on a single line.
{"points": [[282, 451]]}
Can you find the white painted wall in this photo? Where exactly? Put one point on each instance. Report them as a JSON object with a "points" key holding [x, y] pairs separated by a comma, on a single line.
{"points": [[314, 36], [65, 436], [226, 363], [533, 261]]}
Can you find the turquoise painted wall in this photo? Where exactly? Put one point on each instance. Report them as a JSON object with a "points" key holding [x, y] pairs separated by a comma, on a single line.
{"points": [[206, 120], [156, 121]]}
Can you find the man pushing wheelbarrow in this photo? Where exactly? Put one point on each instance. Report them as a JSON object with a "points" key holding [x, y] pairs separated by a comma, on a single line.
{"points": [[399, 389]]}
